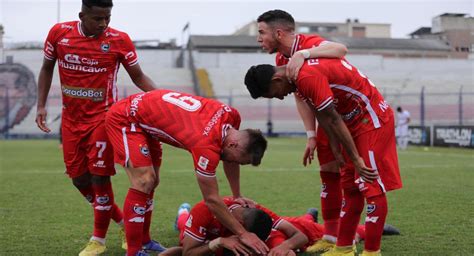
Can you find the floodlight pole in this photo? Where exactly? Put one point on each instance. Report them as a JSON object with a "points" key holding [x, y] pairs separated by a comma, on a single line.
{"points": [[59, 12]]}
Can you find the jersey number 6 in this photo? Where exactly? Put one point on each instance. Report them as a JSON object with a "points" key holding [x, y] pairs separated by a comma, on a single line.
{"points": [[187, 103]]}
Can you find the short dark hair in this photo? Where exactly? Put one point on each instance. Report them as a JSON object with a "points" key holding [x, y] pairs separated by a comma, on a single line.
{"points": [[98, 3], [278, 17], [399, 109], [256, 146], [258, 79], [258, 222]]}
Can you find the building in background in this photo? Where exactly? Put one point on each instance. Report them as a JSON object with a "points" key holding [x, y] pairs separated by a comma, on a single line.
{"points": [[454, 29], [351, 28]]}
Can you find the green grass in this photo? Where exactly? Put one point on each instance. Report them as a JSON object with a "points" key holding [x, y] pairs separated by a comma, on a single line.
{"points": [[41, 213]]}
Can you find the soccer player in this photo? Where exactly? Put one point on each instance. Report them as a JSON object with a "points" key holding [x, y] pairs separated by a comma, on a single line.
{"points": [[342, 95], [277, 34], [207, 128], [403, 119], [89, 54], [200, 233], [289, 235]]}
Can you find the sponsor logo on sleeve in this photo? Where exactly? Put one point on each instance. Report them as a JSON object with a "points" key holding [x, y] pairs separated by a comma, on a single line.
{"points": [[203, 162], [189, 222]]}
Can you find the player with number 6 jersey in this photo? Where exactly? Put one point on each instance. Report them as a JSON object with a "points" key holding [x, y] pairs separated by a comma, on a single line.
{"points": [[207, 128]]}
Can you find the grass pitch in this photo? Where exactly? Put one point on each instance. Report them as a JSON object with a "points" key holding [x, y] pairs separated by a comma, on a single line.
{"points": [[41, 213]]}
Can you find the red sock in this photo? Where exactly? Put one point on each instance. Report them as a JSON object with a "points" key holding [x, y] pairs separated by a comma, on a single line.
{"points": [[331, 201], [374, 222], [350, 216], [134, 216], [117, 214], [182, 218], [146, 225], [104, 200], [88, 194], [361, 232]]}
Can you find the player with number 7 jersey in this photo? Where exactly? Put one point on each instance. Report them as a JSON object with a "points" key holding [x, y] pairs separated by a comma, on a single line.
{"points": [[207, 128]]}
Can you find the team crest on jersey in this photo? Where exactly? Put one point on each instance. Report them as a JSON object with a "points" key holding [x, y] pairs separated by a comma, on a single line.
{"points": [[105, 46], [371, 208], [203, 162], [144, 150], [102, 199]]}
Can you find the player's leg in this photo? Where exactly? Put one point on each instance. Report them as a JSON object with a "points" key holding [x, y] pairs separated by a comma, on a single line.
{"points": [[147, 242], [101, 166], [378, 150], [331, 193], [75, 158]]}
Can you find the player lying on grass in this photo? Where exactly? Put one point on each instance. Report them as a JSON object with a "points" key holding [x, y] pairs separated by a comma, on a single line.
{"points": [[199, 229]]}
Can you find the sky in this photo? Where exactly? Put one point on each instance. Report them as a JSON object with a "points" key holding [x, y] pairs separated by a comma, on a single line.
{"points": [[30, 20]]}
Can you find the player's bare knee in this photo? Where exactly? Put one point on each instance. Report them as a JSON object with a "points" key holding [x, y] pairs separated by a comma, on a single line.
{"points": [[146, 181]]}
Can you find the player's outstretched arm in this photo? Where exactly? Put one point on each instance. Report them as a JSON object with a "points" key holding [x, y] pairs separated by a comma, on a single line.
{"points": [[333, 125], [325, 50], [140, 79], [44, 84], [296, 239], [210, 192]]}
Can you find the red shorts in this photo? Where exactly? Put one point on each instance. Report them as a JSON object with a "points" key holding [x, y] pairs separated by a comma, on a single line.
{"points": [[311, 229], [132, 145], [378, 149], [323, 148], [86, 148]]}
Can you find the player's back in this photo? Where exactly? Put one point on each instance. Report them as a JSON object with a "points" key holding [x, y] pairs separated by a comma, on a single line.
{"points": [[181, 119], [356, 98]]}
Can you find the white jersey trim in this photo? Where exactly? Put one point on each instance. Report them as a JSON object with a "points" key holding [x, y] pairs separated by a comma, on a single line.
{"points": [[205, 174], [160, 132], [370, 109], [195, 237], [125, 146], [296, 42], [325, 103], [373, 164]]}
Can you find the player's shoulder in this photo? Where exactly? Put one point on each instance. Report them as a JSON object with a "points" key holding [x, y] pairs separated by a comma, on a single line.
{"points": [[116, 34], [65, 26], [310, 40]]}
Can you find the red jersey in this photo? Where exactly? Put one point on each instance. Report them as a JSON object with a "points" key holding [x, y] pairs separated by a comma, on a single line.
{"points": [[326, 81], [301, 42], [203, 226], [88, 68], [194, 123]]}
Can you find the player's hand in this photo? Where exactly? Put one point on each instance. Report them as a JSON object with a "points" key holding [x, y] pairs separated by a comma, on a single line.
{"points": [[245, 202], [367, 174], [281, 251], [41, 114], [294, 65], [308, 155], [252, 241], [233, 243]]}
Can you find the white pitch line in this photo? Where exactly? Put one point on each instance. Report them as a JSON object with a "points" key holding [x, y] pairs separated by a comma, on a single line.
{"points": [[279, 169]]}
